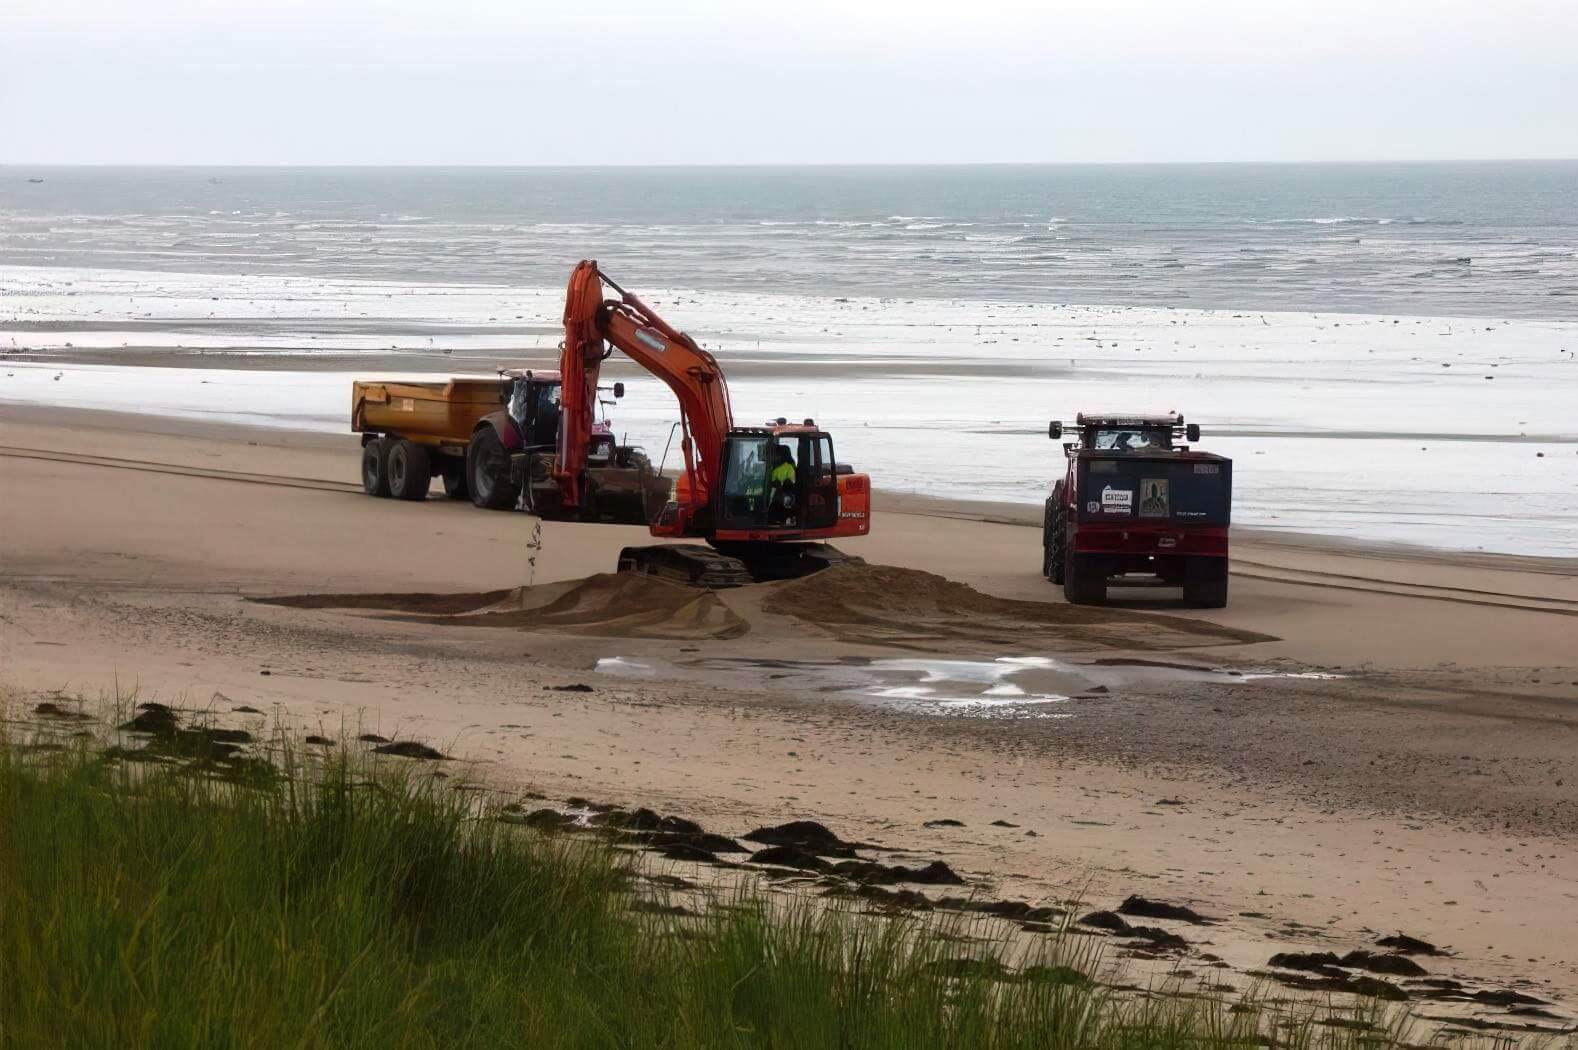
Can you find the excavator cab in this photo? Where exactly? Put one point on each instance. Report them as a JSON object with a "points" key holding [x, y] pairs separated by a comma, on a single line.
{"points": [[777, 479]]}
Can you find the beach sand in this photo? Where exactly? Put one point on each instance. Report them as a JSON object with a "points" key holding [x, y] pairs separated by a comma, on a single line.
{"points": [[1365, 740]]}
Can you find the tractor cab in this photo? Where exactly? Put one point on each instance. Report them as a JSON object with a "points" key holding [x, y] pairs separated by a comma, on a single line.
{"points": [[1114, 433], [534, 406], [779, 478]]}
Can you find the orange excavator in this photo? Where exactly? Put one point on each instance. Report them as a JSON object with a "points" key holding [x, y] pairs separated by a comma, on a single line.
{"points": [[763, 499]]}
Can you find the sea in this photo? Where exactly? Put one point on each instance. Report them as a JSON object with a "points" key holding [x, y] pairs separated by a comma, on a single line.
{"points": [[1388, 351], [1447, 239]]}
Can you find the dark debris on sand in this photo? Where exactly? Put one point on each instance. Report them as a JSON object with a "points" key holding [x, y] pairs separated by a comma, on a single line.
{"points": [[1403, 944], [152, 718], [201, 749], [411, 749], [53, 710], [1148, 909], [806, 835], [1119, 927], [1336, 981], [1019, 911], [1312, 961], [789, 857], [869, 871], [1380, 962]]}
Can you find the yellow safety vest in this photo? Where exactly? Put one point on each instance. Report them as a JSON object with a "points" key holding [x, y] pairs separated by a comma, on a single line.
{"points": [[783, 474]]}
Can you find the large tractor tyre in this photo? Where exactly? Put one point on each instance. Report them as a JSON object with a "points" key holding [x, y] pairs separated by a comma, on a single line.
{"points": [[375, 480], [1084, 579], [488, 471], [454, 473], [1205, 582], [1046, 540], [409, 469], [1054, 542]]}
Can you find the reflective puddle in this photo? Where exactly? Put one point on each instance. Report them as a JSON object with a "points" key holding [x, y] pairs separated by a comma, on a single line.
{"points": [[1007, 687]]}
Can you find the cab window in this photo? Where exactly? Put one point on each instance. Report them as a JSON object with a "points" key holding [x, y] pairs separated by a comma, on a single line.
{"points": [[745, 476], [1119, 439]]}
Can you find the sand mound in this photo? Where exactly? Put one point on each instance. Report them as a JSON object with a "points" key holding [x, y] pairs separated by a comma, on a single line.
{"points": [[620, 605], [424, 604], [885, 605]]}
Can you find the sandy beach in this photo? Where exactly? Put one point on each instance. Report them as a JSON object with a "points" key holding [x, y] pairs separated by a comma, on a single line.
{"points": [[1367, 740]]}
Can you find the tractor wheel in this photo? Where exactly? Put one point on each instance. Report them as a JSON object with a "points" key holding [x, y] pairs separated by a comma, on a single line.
{"points": [[375, 480], [1085, 579], [1205, 582], [409, 469], [1058, 545], [454, 472], [488, 471]]}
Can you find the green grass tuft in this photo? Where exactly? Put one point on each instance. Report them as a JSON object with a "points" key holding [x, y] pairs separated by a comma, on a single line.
{"points": [[348, 906]]}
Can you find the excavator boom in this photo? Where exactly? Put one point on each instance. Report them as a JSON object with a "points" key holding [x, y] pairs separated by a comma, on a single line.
{"points": [[592, 325]]}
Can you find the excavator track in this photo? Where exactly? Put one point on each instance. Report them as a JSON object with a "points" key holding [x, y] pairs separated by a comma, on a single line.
{"points": [[692, 564], [736, 565]]}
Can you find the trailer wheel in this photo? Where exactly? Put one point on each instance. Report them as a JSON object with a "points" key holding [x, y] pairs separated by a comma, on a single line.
{"points": [[488, 471], [1205, 582], [454, 472], [375, 480], [1085, 579], [409, 470]]}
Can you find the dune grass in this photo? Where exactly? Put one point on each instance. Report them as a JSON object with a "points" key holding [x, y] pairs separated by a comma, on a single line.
{"points": [[349, 905]]}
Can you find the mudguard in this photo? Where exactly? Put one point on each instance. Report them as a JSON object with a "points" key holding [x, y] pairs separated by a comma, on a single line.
{"points": [[509, 434]]}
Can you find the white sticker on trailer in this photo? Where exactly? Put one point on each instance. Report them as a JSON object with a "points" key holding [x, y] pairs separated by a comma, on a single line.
{"points": [[1117, 501]]}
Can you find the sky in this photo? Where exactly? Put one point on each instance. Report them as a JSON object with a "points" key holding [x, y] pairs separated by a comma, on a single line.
{"points": [[796, 82]]}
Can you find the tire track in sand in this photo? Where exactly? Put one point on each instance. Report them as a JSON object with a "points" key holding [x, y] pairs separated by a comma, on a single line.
{"points": [[1268, 574]]}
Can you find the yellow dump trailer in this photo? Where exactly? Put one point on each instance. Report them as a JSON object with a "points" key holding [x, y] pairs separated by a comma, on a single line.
{"points": [[437, 413], [493, 441]]}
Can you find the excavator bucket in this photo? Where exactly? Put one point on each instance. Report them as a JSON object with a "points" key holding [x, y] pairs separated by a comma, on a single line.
{"points": [[629, 492]]}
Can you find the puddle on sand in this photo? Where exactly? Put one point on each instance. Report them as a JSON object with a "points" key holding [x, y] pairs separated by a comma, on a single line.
{"points": [[1021, 687], [1117, 673], [1011, 687], [1008, 687], [618, 665]]}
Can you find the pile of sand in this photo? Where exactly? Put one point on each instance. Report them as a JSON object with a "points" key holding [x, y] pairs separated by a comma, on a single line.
{"points": [[856, 602], [618, 605], [885, 605]]}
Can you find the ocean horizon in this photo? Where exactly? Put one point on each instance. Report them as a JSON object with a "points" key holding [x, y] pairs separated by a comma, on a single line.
{"points": [[1460, 238]]}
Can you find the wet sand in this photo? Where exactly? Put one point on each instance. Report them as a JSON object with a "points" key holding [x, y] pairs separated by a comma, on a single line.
{"points": [[1408, 765]]}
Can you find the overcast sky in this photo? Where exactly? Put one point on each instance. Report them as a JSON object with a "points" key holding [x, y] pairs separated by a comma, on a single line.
{"points": [[797, 81]]}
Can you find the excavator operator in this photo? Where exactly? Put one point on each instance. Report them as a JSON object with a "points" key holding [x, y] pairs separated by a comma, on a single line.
{"points": [[781, 486]]}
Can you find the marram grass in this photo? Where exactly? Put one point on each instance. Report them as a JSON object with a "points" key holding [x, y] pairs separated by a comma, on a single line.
{"points": [[347, 905]]}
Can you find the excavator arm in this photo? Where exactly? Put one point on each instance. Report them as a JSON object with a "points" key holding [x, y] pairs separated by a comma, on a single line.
{"points": [[595, 326]]}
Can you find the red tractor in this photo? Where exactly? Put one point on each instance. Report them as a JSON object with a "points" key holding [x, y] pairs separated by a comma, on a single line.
{"points": [[1136, 501]]}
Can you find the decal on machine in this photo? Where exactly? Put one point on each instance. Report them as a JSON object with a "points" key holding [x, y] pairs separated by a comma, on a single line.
{"points": [[1153, 498], [1117, 501], [651, 340]]}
